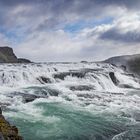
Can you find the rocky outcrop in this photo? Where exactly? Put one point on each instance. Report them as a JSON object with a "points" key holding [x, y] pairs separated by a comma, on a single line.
{"points": [[113, 78], [73, 74], [7, 56], [81, 88], [44, 80], [130, 63], [8, 132], [23, 60]]}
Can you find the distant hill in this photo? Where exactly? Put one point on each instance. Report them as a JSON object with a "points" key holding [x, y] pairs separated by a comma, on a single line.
{"points": [[129, 62], [7, 56]]}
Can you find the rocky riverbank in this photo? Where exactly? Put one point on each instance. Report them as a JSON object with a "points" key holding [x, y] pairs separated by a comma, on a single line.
{"points": [[7, 131]]}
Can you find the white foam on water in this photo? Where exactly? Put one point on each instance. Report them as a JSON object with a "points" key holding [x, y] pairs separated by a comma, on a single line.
{"points": [[104, 97], [30, 112]]}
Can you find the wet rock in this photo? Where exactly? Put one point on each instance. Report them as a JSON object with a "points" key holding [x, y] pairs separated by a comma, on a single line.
{"points": [[84, 62], [52, 92], [86, 95], [125, 86], [8, 132], [29, 98], [25, 97], [44, 92], [38, 93], [44, 80], [91, 70], [23, 60], [55, 69], [82, 88], [115, 93], [113, 78], [73, 74]]}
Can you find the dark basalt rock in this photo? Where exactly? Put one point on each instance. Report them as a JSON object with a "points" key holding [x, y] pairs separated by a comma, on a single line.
{"points": [[44, 80], [7, 56], [8, 132], [75, 73], [125, 86], [65, 74], [38, 93], [26, 97], [23, 60], [29, 98], [116, 81], [81, 88], [84, 62], [113, 78], [44, 92], [90, 96], [130, 63]]}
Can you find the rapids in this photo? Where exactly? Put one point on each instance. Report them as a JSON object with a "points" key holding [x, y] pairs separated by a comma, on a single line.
{"points": [[71, 101]]}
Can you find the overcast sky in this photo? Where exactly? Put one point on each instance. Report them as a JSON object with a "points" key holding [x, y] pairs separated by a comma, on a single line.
{"points": [[70, 30]]}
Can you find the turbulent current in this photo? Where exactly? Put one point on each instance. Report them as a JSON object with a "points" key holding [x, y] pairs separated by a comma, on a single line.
{"points": [[71, 101]]}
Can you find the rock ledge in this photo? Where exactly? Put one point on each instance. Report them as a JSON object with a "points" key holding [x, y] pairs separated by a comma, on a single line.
{"points": [[8, 132]]}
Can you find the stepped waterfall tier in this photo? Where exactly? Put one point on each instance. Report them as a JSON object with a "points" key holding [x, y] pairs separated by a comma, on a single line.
{"points": [[71, 101]]}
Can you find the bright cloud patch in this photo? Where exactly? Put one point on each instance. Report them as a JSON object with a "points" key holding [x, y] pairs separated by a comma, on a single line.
{"points": [[61, 30]]}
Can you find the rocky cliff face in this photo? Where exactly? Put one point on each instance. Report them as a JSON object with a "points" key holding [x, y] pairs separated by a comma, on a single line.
{"points": [[7, 56], [130, 63], [8, 132]]}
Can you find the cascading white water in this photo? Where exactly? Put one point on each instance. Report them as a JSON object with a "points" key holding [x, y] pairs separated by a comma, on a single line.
{"points": [[69, 89], [98, 74]]}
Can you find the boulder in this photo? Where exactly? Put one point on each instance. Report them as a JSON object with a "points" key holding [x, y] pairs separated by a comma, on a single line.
{"points": [[82, 88], [113, 78], [71, 73], [44, 80], [7, 131]]}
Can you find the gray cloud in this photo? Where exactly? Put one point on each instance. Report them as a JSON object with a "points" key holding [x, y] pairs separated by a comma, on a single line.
{"points": [[128, 37], [41, 24], [55, 11]]}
